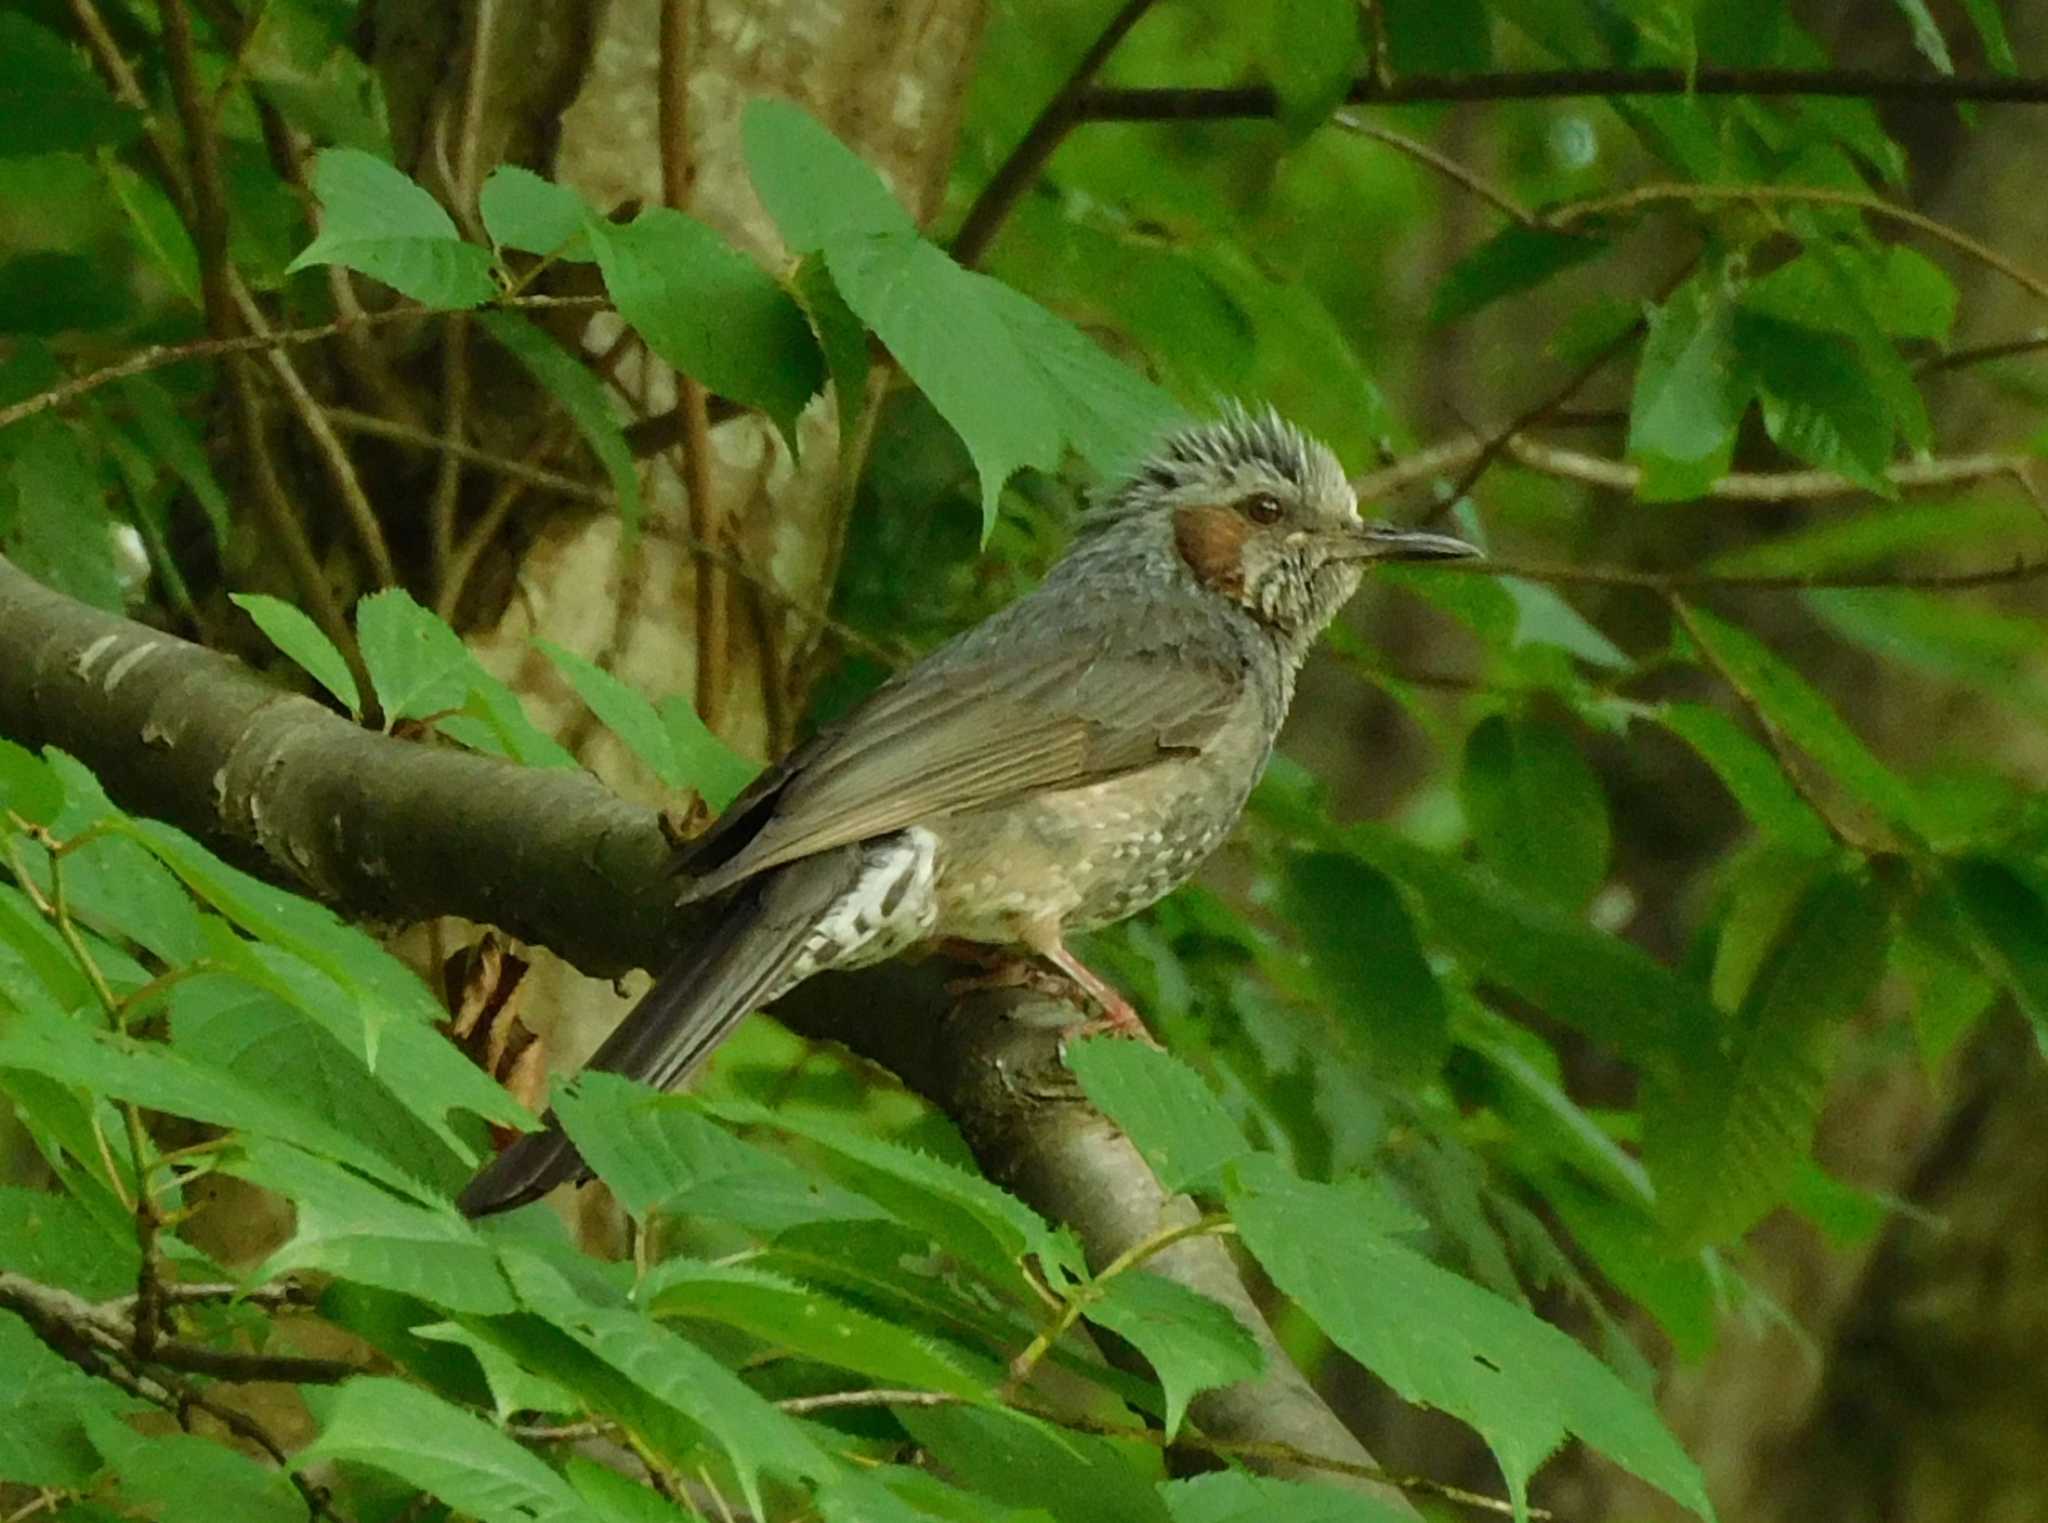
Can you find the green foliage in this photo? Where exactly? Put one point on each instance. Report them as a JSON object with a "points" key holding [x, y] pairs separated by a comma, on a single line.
{"points": [[1379, 1078], [1470, 1353], [670, 738], [300, 638], [1019, 385], [582, 397], [378, 222]]}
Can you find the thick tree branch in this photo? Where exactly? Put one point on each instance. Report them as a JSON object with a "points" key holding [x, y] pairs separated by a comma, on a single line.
{"points": [[387, 828]]}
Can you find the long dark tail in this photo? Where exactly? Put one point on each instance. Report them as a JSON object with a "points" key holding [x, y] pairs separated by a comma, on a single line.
{"points": [[742, 959]]}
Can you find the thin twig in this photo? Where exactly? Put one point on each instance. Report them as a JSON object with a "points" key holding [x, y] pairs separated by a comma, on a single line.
{"points": [[1957, 359], [1619, 476], [1187, 1439], [228, 299], [1782, 748], [604, 497], [1171, 104], [1074, 1306], [1574, 212], [111, 1327], [157, 356], [2021, 570], [1055, 120], [1442, 163], [713, 594]]}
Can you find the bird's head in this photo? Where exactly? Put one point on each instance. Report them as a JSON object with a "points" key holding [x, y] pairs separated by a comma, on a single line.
{"points": [[1260, 514]]}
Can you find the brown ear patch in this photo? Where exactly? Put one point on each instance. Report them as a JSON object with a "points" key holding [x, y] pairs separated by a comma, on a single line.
{"points": [[1211, 540]]}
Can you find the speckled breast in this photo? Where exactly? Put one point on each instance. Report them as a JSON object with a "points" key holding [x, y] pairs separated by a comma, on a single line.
{"points": [[1086, 857]]}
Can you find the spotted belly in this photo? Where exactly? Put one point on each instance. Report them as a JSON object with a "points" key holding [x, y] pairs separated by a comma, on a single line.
{"points": [[1082, 858]]}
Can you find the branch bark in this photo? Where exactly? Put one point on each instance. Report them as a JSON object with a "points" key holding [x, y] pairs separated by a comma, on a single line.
{"points": [[388, 829]]}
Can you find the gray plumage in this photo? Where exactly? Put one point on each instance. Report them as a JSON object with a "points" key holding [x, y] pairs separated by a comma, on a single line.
{"points": [[1056, 768]]}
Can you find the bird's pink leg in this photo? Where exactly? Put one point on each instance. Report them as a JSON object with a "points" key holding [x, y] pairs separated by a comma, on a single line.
{"points": [[1118, 1016]]}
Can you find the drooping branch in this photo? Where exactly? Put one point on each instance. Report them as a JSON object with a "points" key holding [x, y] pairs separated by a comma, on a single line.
{"points": [[390, 829]]}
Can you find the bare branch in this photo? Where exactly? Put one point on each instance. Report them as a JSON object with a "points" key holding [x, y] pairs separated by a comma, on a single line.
{"points": [[157, 356], [1103, 104], [66, 1321], [1442, 163], [1575, 212], [1013, 177], [1619, 476]]}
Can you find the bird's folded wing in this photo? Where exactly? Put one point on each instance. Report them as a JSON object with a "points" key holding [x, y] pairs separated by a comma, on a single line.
{"points": [[945, 741]]}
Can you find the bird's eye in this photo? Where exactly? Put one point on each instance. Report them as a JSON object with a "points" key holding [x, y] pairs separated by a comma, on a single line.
{"points": [[1261, 508]]}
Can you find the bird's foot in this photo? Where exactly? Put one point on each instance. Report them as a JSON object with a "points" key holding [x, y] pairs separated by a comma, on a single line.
{"points": [[1002, 970], [1120, 1020], [1118, 1017]]}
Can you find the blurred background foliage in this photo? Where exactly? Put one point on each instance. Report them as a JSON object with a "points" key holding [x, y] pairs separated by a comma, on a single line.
{"points": [[1661, 914]]}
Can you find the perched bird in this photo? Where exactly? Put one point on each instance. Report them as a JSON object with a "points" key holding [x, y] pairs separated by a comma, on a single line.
{"points": [[1055, 768]]}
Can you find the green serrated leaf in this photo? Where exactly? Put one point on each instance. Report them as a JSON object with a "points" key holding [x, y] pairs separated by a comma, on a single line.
{"points": [[1600, 985], [435, 1445], [523, 211], [513, 1387], [1368, 964], [150, 1075], [418, 665], [379, 223], [616, 1498], [256, 1035], [1019, 385], [714, 769], [1019, 1461], [787, 1315], [157, 229], [1163, 1107], [583, 397], [45, 1401], [623, 709], [1690, 393], [1805, 717], [28, 787], [494, 721], [1234, 1496], [1818, 404], [347, 1226], [60, 531], [1312, 48], [1536, 809], [1517, 258], [1193, 1344], [983, 1223], [1443, 1341], [55, 103], [1861, 540], [182, 1478], [1750, 773], [57, 1240], [1726, 1141], [661, 1154], [710, 311], [1990, 24], [176, 443], [300, 638], [755, 1436], [1926, 35], [1971, 644], [2007, 921], [841, 337]]}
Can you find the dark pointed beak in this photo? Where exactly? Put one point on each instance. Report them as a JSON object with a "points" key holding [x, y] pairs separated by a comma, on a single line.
{"points": [[1385, 542]]}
